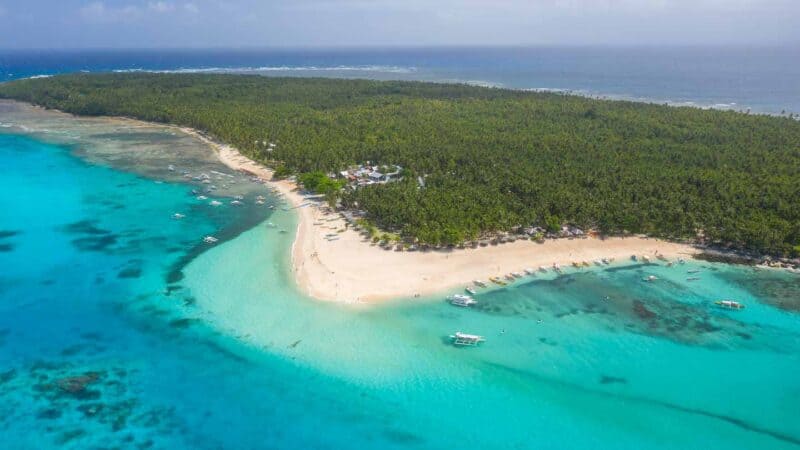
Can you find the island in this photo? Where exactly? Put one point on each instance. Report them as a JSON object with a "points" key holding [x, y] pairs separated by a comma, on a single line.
{"points": [[449, 183]]}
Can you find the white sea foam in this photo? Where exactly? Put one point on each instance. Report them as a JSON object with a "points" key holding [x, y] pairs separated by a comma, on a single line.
{"points": [[371, 68], [33, 77], [630, 98]]}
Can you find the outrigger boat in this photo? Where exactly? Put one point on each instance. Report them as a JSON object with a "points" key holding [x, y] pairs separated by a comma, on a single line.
{"points": [[470, 290], [464, 339], [729, 304], [510, 277], [516, 274], [210, 239], [650, 278], [530, 271], [178, 216], [461, 300], [497, 280], [479, 283], [542, 269]]}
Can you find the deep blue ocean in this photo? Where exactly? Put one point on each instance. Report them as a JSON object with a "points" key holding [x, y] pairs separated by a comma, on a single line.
{"points": [[121, 328], [763, 79]]}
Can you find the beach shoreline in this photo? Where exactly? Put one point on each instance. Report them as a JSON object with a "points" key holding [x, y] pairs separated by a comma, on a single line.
{"points": [[332, 262], [351, 269]]}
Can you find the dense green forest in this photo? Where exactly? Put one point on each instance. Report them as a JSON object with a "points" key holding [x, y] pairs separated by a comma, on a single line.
{"points": [[490, 159]]}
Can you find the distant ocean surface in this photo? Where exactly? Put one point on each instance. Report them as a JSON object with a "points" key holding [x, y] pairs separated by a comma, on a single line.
{"points": [[762, 79]]}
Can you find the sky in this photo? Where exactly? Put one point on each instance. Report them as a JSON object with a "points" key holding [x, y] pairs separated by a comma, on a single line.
{"points": [[365, 23]]}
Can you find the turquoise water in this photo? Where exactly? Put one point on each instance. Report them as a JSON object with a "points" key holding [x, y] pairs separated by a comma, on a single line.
{"points": [[180, 344]]}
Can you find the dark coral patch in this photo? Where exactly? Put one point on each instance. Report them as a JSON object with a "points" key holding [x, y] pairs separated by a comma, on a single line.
{"points": [[95, 243], [7, 376], [130, 272], [48, 414], [84, 227], [608, 379], [4, 234], [182, 323]]}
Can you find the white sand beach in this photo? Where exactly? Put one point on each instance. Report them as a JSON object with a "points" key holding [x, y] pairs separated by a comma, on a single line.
{"points": [[352, 269]]}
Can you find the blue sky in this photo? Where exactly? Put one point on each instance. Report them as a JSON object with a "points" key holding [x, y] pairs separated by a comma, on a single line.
{"points": [[254, 23]]}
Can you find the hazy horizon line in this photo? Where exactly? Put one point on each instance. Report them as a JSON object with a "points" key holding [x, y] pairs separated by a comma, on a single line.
{"points": [[760, 45]]}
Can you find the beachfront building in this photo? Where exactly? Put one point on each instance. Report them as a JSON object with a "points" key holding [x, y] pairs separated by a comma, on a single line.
{"points": [[367, 174]]}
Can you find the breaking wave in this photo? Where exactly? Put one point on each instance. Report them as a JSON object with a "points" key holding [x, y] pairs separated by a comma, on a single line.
{"points": [[370, 68]]}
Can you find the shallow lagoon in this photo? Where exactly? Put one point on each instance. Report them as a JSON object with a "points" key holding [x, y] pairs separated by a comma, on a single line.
{"points": [[100, 350]]}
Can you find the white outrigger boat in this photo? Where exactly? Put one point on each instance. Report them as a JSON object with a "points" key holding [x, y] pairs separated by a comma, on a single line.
{"points": [[464, 339], [461, 300], [542, 269], [516, 274], [729, 304], [470, 290], [480, 283], [215, 203], [178, 216], [210, 239], [530, 271], [650, 278]]}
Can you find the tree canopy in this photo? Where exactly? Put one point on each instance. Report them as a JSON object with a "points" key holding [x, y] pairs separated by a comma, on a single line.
{"points": [[490, 159]]}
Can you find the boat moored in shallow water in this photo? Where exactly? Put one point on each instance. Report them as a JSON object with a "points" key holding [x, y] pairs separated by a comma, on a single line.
{"points": [[464, 339], [729, 304], [461, 300], [210, 240]]}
